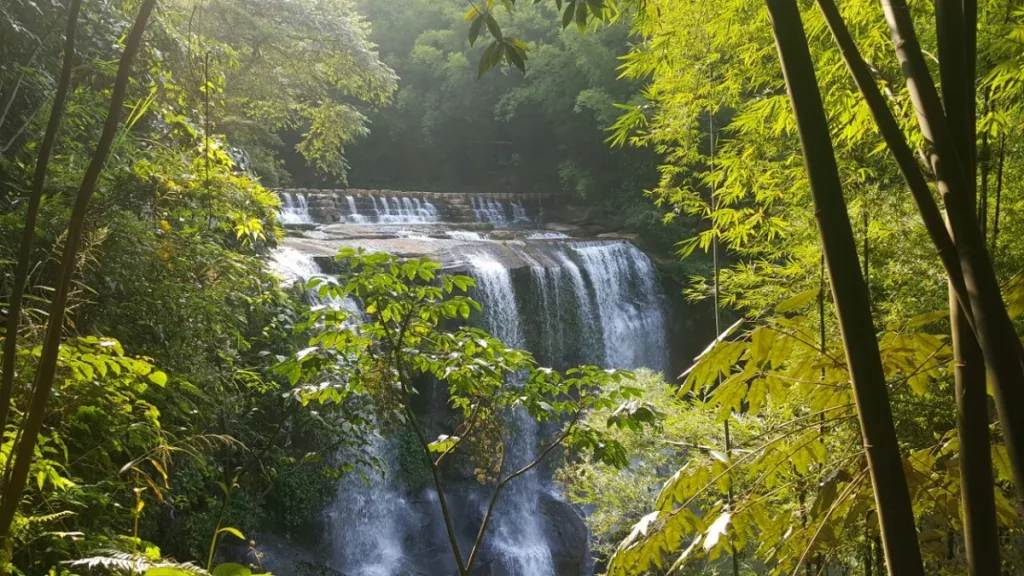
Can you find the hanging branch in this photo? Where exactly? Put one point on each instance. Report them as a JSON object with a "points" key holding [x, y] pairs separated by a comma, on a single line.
{"points": [[1003, 353], [22, 458], [718, 322], [892, 497], [28, 233]]}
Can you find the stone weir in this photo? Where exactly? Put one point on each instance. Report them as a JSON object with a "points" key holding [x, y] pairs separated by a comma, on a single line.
{"points": [[303, 206]]}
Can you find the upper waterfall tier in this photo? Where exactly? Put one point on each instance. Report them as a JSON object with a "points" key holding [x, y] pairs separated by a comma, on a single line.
{"points": [[353, 206]]}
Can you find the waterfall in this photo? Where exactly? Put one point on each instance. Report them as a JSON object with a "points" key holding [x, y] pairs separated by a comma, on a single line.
{"points": [[353, 215], [568, 301], [628, 301], [295, 209], [489, 211], [368, 518], [519, 213], [554, 316], [517, 537], [402, 211], [293, 266], [368, 514], [589, 323]]}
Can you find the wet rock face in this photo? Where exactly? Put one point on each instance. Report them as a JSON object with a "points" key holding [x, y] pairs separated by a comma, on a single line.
{"points": [[568, 534]]}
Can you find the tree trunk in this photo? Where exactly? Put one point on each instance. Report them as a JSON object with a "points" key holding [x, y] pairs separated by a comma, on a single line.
{"points": [[954, 25], [24, 451], [895, 514], [1004, 356], [28, 233]]}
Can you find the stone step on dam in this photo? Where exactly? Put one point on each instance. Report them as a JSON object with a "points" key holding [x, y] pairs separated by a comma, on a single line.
{"points": [[361, 206]]}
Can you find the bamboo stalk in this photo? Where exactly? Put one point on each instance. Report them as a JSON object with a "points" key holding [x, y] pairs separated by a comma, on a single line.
{"points": [[895, 513], [1004, 355]]}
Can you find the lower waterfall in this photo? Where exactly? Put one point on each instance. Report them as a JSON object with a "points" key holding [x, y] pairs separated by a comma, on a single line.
{"points": [[567, 301], [517, 538], [373, 512]]}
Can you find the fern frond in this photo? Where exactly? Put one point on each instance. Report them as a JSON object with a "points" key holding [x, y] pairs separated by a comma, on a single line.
{"points": [[119, 562]]}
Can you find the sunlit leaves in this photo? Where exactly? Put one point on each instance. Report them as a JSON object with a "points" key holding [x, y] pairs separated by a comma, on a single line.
{"points": [[387, 321]]}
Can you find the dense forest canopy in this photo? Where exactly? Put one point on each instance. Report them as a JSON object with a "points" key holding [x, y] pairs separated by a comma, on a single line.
{"points": [[376, 287]]}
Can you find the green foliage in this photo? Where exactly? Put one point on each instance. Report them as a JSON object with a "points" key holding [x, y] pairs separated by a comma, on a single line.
{"points": [[715, 109], [165, 389], [408, 306], [450, 130]]}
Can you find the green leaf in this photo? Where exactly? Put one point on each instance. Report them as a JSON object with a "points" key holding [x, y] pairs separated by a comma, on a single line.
{"points": [[443, 443], [491, 56], [157, 377], [716, 531], [233, 531], [474, 29], [581, 16], [493, 27], [928, 318], [231, 569], [567, 16], [796, 302], [513, 56]]}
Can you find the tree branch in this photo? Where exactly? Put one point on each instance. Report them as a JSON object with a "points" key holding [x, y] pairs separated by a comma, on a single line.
{"points": [[501, 484]]}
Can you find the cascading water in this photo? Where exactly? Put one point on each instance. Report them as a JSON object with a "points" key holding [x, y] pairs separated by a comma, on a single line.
{"points": [[463, 235], [489, 211], [518, 540], [629, 302], [353, 215], [368, 513], [295, 209], [397, 211], [519, 213], [368, 517], [293, 266]]}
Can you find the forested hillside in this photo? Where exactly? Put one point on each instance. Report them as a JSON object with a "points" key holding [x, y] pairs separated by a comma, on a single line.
{"points": [[400, 287]]}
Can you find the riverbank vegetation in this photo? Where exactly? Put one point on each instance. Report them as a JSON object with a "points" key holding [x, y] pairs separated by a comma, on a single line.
{"points": [[840, 178]]}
